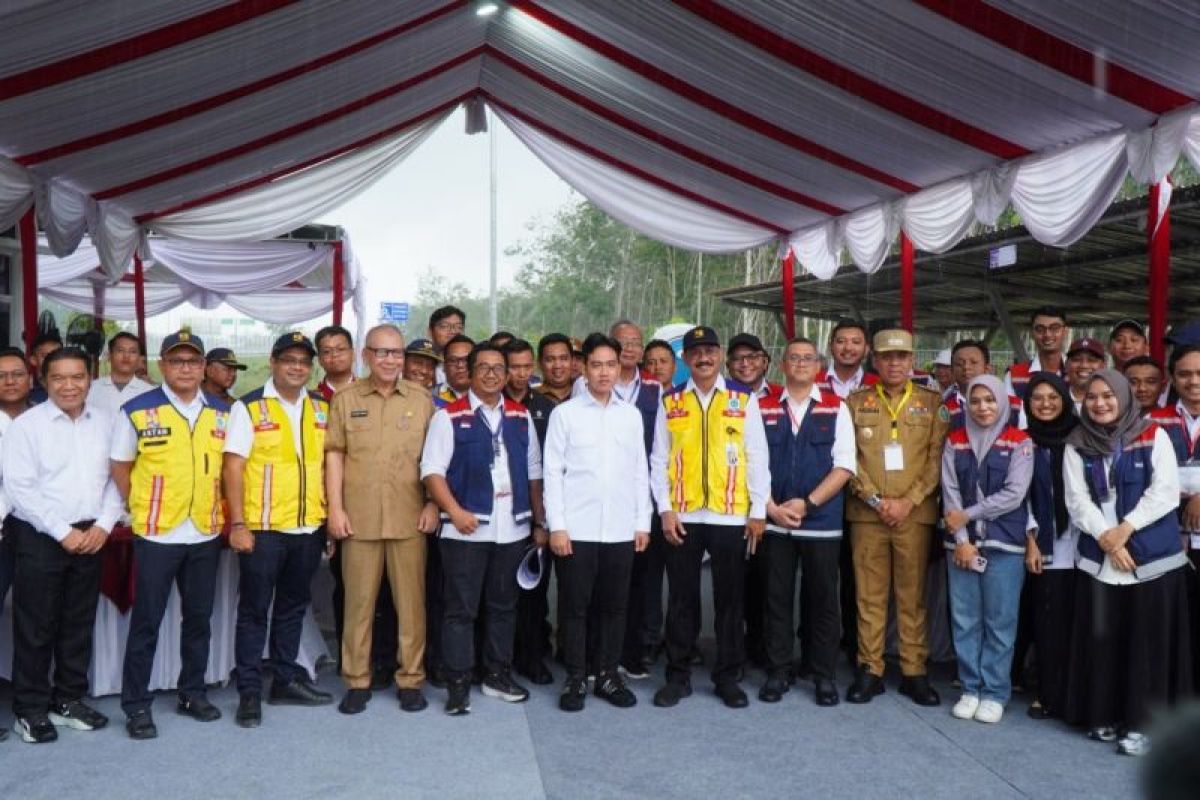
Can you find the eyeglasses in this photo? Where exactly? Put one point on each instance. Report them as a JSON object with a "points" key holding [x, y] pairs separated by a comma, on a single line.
{"points": [[801, 358], [15, 376], [333, 351], [449, 327], [294, 362], [184, 363], [632, 341], [490, 369], [386, 352]]}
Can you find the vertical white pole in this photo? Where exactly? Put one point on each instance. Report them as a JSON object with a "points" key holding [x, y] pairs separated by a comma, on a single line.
{"points": [[493, 304]]}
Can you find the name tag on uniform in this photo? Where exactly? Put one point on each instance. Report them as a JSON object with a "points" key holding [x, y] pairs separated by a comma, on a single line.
{"points": [[153, 433], [893, 457], [358, 412]]}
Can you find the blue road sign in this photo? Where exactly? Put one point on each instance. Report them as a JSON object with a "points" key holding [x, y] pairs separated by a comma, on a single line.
{"points": [[393, 312]]}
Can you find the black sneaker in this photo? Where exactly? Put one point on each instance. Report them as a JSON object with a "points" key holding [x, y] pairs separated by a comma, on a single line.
{"points": [[198, 708], [573, 695], [671, 693], [458, 699], [35, 730], [297, 693], [249, 711], [501, 685], [140, 725], [78, 715], [634, 671], [611, 688]]}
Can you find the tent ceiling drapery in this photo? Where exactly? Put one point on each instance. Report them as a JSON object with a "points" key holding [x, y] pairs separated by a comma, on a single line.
{"points": [[711, 124]]}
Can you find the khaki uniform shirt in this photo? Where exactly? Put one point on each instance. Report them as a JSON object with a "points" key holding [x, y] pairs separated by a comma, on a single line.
{"points": [[382, 438], [921, 429]]}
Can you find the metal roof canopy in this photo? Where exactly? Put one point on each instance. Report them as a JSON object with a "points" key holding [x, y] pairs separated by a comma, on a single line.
{"points": [[1097, 281]]}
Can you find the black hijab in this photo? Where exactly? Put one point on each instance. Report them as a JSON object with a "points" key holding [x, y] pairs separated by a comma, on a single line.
{"points": [[1052, 435]]}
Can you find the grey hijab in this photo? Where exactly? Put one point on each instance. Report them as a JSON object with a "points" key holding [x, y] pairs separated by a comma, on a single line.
{"points": [[1093, 439], [982, 438]]}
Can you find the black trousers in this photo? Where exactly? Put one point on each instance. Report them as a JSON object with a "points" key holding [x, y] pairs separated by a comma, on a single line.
{"points": [[644, 615], [193, 567], [280, 571], [476, 573], [754, 607], [849, 597], [533, 631], [726, 548], [7, 557], [1026, 638], [595, 577], [383, 632], [818, 560], [1193, 594], [54, 612], [435, 609], [1053, 596]]}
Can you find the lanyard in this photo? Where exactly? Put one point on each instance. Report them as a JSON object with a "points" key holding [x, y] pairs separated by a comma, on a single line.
{"points": [[634, 386], [787, 404], [494, 434], [894, 413]]}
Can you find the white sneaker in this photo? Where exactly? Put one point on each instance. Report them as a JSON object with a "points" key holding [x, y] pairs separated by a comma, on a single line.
{"points": [[966, 707], [1134, 744], [989, 711]]}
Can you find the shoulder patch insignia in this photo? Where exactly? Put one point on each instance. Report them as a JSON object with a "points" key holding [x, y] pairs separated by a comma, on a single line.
{"points": [[943, 414]]}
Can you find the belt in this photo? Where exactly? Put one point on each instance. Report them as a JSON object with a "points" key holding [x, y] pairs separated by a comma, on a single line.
{"points": [[83, 524]]}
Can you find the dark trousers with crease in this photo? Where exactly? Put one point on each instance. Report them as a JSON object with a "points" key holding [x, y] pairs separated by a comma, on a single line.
{"points": [[193, 568], [532, 643], [54, 611], [727, 558], [819, 607], [593, 592], [476, 574]]}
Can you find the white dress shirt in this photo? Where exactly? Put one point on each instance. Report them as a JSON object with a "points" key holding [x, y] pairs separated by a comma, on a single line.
{"points": [[758, 469], [843, 388], [124, 448], [5, 421], [107, 395], [843, 452], [439, 450], [597, 484], [1160, 498], [239, 438], [56, 469], [1035, 365]]}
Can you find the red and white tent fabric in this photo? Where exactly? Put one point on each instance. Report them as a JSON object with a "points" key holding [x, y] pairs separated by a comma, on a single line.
{"points": [[710, 124]]}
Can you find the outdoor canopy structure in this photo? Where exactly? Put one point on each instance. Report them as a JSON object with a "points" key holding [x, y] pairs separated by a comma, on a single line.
{"points": [[709, 124]]}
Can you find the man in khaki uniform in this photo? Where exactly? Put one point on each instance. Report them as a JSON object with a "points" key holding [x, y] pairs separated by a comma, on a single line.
{"points": [[378, 513], [899, 428]]}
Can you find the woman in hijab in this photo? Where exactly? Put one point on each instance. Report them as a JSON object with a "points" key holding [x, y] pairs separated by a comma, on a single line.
{"points": [[1129, 651], [1051, 543], [986, 468]]}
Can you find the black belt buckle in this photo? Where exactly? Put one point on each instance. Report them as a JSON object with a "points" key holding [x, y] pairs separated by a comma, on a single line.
{"points": [[83, 524]]}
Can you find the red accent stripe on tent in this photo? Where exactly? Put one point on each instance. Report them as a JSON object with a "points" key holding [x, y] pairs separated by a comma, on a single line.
{"points": [[209, 103], [710, 101], [700, 157], [213, 197], [135, 47], [850, 81], [636, 171], [291, 130], [1058, 54]]}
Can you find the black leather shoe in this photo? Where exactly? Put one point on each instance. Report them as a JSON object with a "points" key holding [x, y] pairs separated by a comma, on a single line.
{"points": [[826, 692], [917, 688], [671, 693], [773, 690], [140, 725], [412, 700], [249, 711], [866, 686], [198, 708], [458, 698], [732, 695], [355, 701], [538, 674], [298, 693]]}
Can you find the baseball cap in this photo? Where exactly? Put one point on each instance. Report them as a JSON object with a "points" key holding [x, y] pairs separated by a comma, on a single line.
{"points": [[181, 339], [1086, 344], [1130, 325], [1183, 335], [893, 340], [943, 358], [290, 340], [701, 334], [745, 340], [223, 355], [423, 347]]}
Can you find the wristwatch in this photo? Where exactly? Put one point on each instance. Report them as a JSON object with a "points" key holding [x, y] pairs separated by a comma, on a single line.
{"points": [[874, 501], [810, 505]]}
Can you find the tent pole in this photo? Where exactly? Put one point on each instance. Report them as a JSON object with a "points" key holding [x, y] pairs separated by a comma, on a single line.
{"points": [[97, 320], [1158, 245], [139, 298], [788, 279], [339, 271], [906, 282], [29, 275]]}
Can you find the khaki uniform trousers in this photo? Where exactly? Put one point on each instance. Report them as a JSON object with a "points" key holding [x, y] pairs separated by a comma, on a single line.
{"points": [[362, 570], [885, 558]]}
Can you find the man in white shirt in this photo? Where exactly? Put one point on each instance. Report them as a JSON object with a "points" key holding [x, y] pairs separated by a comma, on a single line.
{"points": [[710, 477], [177, 516], [122, 384], [482, 466], [15, 384], [64, 503], [848, 351], [598, 509], [1050, 332]]}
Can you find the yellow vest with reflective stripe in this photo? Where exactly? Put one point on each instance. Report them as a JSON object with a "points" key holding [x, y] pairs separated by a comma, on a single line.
{"points": [[283, 488], [177, 471], [707, 465]]}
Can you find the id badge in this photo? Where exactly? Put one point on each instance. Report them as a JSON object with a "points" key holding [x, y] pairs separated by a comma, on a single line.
{"points": [[500, 481], [731, 454], [893, 457]]}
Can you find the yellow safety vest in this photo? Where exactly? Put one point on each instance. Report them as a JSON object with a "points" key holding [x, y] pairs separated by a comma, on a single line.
{"points": [[177, 472], [283, 488], [707, 466]]}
